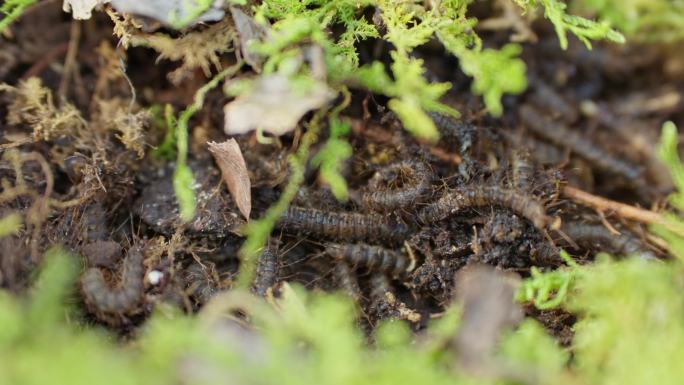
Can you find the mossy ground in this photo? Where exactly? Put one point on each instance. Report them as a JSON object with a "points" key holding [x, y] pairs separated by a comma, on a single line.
{"points": [[104, 149]]}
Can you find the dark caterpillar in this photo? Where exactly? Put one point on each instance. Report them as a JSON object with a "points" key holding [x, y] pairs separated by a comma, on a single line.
{"points": [[342, 225], [346, 281], [598, 237], [476, 196], [372, 258], [201, 281], [102, 253], [523, 170], [267, 272], [560, 135], [379, 286], [418, 175], [543, 152], [93, 223], [122, 299], [451, 130]]}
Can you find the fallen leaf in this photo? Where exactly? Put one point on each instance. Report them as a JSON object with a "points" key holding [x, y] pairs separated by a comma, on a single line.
{"points": [[177, 13], [273, 105], [81, 9], [234, 171], [248, 31]]}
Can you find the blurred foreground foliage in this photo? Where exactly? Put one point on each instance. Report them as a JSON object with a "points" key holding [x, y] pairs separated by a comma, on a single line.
{"points": [[640, 20], [629, 330]]}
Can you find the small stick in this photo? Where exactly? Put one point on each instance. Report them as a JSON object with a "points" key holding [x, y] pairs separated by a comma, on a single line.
{"points": [[445, 156], [607, 224], [620, 209]]}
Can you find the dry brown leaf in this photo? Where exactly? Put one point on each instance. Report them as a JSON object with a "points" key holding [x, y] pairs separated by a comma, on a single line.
{"points": [[234, 170], [273, 105]]}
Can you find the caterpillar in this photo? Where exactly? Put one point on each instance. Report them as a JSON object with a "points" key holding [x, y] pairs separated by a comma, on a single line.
{"points": [[476, 196], [201, 281], [123, 299], [342, 225], [598, 237], [560, 135], [523, 170], [379, 286], [550, 100], [418, 175], [372, 258], [345, 280], [267, 272]]}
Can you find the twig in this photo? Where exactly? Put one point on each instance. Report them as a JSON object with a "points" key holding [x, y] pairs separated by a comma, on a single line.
{"points": [[620, 209], [445, 156], [46, 60], [70, 60], [607, 224]]}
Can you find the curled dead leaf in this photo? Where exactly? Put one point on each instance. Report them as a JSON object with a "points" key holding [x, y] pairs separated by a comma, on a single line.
{"points": [[274, 105], [229, 158]]}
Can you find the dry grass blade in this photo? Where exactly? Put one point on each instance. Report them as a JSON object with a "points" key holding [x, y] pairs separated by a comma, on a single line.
{"points": [[234, 170]]}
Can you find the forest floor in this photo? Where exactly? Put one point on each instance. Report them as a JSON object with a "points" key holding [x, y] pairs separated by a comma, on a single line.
{"points": [[88, 163]]}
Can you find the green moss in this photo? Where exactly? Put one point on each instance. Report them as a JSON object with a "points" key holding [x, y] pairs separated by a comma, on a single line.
{"points": [[183, 180], [586, 30], [549, 290], [11, 10], [330, 160], [409, 24], [640, 20]]}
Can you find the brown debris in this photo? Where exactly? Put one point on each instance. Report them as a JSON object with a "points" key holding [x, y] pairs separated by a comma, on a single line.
{"points": [[489, 309], [234, 171]]}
